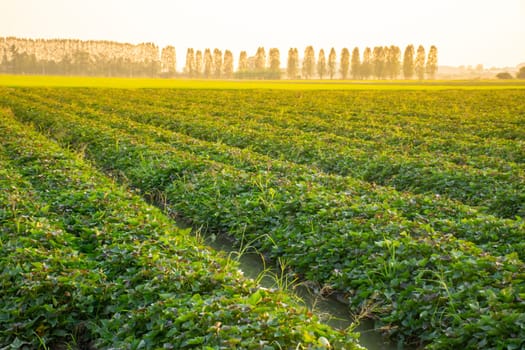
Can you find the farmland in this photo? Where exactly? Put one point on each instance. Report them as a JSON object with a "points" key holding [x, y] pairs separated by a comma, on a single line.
{"points": [[407, 201], [85, 263]]}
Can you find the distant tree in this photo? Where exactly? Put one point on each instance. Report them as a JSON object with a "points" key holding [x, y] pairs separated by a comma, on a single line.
{"points": [[419, 64], [168, 61], [432, 64], [260, 60], [292, 67], [274, 62], [356, 63], [243, 62], [393, 62], [332, 63], [71, 56], [408, 62], [217, 63], [479, 68], [228, 64], [13, 59], [378, 62], [198, 63], [366, 66], [4, 64], [308, 62], [321, 64], [208, 63], [345, 63], [386, 53], [189, 68], [81, 62], [24, 63], [66, 65], [521, 73], [504, 75]]}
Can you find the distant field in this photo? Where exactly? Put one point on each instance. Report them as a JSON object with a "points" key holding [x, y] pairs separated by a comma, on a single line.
{"points": [[133, 83], [406, 199]]}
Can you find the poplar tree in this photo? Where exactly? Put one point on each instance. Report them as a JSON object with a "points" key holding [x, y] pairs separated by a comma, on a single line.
{"points": [[243, 62], [366, 66], [274, 60], [275, 63], [208, 63], [321, 64], [332, 63], [356, 63], [308, 62], [260, 60], [189, 68], [345, 63], [168, 60], [393, 62], [419, 64], [408, 62], [217, 63], [292, 67], [198, 63], [228, 64], [378, 62], [432, 60]]}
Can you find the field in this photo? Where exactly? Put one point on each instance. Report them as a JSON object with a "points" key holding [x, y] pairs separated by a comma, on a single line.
{"points": [[143, 83], [406, 200]]}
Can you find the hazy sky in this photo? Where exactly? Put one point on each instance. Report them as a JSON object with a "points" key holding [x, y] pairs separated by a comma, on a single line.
{"points": [[466, 32]]}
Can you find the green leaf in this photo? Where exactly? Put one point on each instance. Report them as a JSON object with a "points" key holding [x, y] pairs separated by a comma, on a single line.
{"points": [[194, 341], [255, 298]]}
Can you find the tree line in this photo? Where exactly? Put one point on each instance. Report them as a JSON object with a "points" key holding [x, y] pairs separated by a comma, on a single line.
{"points": [[85, 58], [107, 58], [205, 64], [381, 62]]}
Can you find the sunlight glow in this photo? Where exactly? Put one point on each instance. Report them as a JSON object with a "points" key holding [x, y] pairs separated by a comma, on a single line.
{"points": [[466, 32]]}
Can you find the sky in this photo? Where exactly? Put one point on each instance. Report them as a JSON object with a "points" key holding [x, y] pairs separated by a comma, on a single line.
{"points": [[466, 32]]}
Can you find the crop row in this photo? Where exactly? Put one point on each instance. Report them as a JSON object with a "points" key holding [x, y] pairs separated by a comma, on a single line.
{"points": [[423, 283], [405, 161], [83, 262]]}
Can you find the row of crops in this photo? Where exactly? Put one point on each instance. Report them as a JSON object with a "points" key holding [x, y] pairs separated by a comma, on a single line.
{"points": [[84, 263], [408, 203]]}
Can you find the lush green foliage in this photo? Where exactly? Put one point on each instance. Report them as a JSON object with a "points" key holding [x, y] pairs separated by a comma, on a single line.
{"points": [[411, 203], [471, 156], [84, 263]]}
